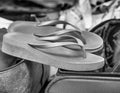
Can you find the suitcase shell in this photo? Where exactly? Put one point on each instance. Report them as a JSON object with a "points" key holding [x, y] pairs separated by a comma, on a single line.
{"points": [[85, 82]]}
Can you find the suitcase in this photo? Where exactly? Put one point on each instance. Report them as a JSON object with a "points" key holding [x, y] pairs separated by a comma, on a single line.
{"points": [[84, 82]]}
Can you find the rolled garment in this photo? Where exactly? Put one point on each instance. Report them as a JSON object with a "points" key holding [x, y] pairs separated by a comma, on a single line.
{"points": [[34, 6], [53, 3]]}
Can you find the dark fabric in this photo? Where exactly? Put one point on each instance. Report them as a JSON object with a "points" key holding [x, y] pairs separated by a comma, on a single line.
{"points": [[31, 6], [22, 9], [39, 74], [21, 6], [110, 32]]}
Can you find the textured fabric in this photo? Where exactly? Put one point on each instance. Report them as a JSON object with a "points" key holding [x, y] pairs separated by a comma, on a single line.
{"points": [[110, 32], [16, 79]]}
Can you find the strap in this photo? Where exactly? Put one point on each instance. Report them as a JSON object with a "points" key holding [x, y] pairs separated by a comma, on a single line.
{"points": [[57, 41], [54, 35], [56, 22], [51, 45], [61, 38]]}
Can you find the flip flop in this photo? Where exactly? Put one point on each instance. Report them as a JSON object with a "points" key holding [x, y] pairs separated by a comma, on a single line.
{"points": [[33, 47], [93, 42]]}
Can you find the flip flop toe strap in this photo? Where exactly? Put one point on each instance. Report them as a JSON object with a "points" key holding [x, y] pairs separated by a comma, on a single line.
{"points": [[63, 38], [69, 35], [54, 35], [57, 41], [52, 45], [56, 22], [77, 31]]}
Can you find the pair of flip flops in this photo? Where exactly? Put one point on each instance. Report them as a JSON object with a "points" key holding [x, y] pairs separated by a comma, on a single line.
{"points": [[45, 43]]}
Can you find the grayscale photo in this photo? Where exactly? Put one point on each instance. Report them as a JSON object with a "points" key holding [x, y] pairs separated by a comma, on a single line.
{"points": [[59, 46]]}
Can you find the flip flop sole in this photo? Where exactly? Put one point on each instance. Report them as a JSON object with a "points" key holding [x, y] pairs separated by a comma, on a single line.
{"points": [[93, 41], [18, 47]]}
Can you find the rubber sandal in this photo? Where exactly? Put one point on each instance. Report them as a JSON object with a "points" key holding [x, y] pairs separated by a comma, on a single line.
{"points": [[46, 28], [32, 47]]}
